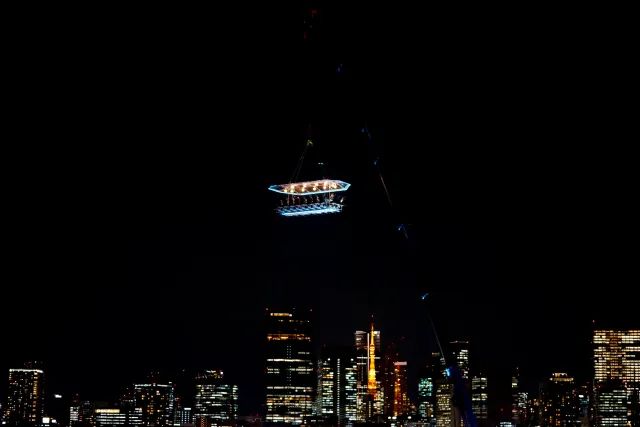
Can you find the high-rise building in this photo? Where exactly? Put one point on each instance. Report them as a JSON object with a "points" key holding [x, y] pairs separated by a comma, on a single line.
{"points": [[518, 401], [460, 353], [387, 377], [183, 417], [616, 372], [401, 404], [81, 413], [584, 403], [480, 399], [337, 386], [290, 379], [216, 403], [559, 401], [117, 417], [156, 403], [611, 410], [25, 396], [444, 403], [426, 386], [370, 394]]}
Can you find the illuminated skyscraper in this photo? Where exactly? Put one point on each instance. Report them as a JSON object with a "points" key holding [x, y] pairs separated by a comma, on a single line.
{"points": [[81, 413], [480, 399], [460, 353], [25, 396], [370, 394], [616, 373], [156, 403], [337, 386], [611, 408], [216, 402], [444, 403], [426, 387], [559, 401], [518, 401], [290, 378], [401, 404], [183, 417], [116, 417]]}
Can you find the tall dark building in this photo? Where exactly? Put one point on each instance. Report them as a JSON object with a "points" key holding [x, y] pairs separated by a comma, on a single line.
{"points": [[559, 402], [216, 403], [480, 399], [387, 377], [25, 396], [156, 402], [518, 401], [290, 378], [337, 392]]}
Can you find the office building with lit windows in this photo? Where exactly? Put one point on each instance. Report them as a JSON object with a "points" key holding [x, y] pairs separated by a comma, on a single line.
{"points": [[460, 353], [337, 393], [518, 401], [290, 377], [616, 374], [480, 399], [183, 417], [444, 403], [156, 403], [559, 401], [25, 396], [426, 386], [216, 403], [117, 417], [81, 413]]}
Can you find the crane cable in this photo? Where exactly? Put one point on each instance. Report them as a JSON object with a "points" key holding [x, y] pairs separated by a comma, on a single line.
{"points": [[296, 171]]}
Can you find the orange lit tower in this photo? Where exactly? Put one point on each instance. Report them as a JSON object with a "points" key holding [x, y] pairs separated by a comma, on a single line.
{"points": [[372, 385]]}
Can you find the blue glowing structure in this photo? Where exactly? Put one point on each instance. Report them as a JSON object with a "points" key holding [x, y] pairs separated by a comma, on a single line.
{"points": [[311, 197]]}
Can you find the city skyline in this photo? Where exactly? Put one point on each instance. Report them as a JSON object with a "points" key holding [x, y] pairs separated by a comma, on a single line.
{"points": [[613, 356], [487, 163]]}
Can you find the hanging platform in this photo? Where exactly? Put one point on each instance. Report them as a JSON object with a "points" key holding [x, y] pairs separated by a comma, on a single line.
{"points": [[311, 197]]}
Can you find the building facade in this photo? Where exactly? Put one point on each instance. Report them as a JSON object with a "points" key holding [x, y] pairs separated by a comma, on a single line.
{"points": [[155, 402], [518, 401], [337, 386], [216, 403], [290, 378], [117, 417], [25, 396], [616, 373], [431, 372], [480, 399], [559, 401]]}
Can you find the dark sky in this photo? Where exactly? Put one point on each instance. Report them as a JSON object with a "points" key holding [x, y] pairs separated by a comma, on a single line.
{"points": [[139, 232]]}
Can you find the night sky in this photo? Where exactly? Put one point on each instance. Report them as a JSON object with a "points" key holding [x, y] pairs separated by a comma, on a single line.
{"points": [[139, 233]]}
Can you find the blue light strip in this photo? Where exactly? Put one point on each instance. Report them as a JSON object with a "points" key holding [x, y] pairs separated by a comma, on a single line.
{"points": [[315, 209], [342, 186]]}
